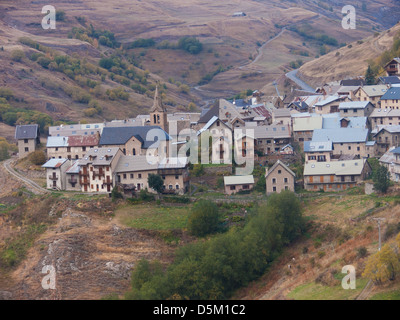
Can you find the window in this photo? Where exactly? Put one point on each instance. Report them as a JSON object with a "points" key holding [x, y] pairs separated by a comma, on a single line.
{"points": [[132, 176], [233, 187], [140, 176], [134, 151], [83, 148], [124, 175], [279, 171], [286, 188], [349, 147], [68, 149], [177, 177], [25, 140], [274, 181], [286, 180], [177, 187], [274, 189], [170, 187], [26, 149]]}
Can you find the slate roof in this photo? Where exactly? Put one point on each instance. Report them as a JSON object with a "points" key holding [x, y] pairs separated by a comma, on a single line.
{"points": [[342, 135], [389, 80], [352, 82], [392, 94], [29, 131], [120, 135], [213, 112]]}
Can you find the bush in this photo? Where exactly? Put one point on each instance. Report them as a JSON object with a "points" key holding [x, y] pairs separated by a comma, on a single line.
{"points": [[204, 218], [38, 157], [17, 55], [115, 194]]}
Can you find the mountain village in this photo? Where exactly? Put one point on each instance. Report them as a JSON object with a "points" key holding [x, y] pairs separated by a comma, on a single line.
{"points": [[337, 127]]}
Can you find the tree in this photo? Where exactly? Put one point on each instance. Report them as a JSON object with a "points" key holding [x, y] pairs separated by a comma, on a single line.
{"points": [[204, 218], [370, 76], [156, 182], [383, 265], [38, 157], [381, 178]]}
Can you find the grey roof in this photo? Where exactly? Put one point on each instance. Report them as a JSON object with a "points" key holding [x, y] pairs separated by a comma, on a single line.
{"points": [[354, 105], [389, 80], [54, 163], [135, 163], [310, 146], [390, 129], [29, 131], [334, 122], [99, 156], [120, 135], [55, 141], [233, 180], [342, 135], [396, 151], [272, 132], [75, 168], [375, 91], [327, 101], [339, 168], [280, 163], [392, 93], [143, 163], [213, 112]]}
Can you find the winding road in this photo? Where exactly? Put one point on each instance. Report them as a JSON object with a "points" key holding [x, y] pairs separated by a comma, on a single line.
{"points": [[29, 183], [292, 75]]}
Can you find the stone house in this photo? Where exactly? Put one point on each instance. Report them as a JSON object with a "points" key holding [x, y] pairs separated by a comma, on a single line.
{"points": [[279, 178], [28, 137]]}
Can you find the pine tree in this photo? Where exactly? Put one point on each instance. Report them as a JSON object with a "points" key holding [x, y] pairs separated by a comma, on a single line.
{"points": [[370, 76]]}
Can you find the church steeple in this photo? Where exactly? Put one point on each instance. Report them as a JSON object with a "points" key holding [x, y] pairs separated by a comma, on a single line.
{"points": [[158, 113], [157, 104]]}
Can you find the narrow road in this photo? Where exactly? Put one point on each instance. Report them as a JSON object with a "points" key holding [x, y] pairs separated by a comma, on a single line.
{"points": [[29, 183], [292, 75]]}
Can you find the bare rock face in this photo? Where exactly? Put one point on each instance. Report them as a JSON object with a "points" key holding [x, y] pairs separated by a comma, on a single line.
{"points": [[88, 256]]}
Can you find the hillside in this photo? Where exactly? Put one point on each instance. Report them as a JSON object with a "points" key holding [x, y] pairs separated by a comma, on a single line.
{"points": [[340, 226], [237, 52], [349, 61]]}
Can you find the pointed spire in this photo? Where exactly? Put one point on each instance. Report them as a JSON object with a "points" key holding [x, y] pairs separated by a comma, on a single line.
{"points": [[157, 104]]}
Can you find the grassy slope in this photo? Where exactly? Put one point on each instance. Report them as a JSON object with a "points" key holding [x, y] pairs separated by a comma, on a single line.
{"points": [[228, 42], [332, 242], [350, 62]]}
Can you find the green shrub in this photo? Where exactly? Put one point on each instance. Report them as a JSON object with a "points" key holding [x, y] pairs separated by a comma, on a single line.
{"points": [[204, 218]]}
